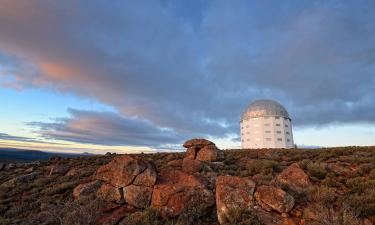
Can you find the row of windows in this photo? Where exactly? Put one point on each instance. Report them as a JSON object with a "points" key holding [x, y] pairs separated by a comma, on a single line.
{"points": [[267, 132], [266, 125], [267, 139]]}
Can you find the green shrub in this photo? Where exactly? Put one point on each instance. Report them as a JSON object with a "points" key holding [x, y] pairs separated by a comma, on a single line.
{"points": [[148, 216], [362, 203], [262, 166], [317, 170], [321, 194], [329, 216], [372, 174], [359, 184], [241, 217]]}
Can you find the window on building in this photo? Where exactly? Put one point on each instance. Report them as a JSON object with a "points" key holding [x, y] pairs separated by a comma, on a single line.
{"points": [[288, 140], [242, 134], [277, 124], [286, 125], [268, 139], [248, 132], [267, 124], [277, 117], [248, 139], [247, 126], [268, 131], [266, 118], [280, 139], [287, 132], [279, 132]]}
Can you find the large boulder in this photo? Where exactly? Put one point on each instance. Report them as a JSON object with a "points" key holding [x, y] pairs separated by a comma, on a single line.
{"points": [[197, 142], [59, 169], [176, 191], [294, 178], [138, 196], [86, 189], [233, 193], [191, 165], [203, 150], [108, 193], [26, 178], [123, 170], [274, 198]]}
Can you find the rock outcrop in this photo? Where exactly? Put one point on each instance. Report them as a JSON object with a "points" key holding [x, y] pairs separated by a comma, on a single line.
{"points": [[203, 150], [129, 179], [233, 193], [269, 198], [176, 191], [86, 189], [294, 178]]}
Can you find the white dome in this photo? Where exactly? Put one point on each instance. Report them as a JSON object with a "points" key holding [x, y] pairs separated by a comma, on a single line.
{"points": [[264, 107]]}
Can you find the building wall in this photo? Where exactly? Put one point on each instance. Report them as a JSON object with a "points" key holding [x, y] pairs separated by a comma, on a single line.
{"points": [[266, 132]]}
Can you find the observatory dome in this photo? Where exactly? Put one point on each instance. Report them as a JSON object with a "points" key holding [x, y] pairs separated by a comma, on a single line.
{"points": [[264, 107]]}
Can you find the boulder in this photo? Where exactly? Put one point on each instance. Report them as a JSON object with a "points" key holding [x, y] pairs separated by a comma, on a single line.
{"points": [[294, 178], [86, 189], [176, 191], [58, 169], [191, 152], [274, 198], [200, 143], [122, 171], [209, 153], [233, 192], [175, 163], [2, 166], [191, 165], [26, 178], [147, 177], [138, 196], [108, 193]]}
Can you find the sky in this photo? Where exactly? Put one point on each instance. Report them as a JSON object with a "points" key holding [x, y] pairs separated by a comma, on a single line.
{"points": [[131, 76]]}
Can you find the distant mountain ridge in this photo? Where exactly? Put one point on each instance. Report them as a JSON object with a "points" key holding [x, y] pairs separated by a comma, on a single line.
{"points": [[16, 154]]}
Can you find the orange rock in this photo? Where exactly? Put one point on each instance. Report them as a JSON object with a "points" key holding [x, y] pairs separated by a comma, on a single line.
{"points": [[86, 189], [146, 178], [294, 177], [288, 221], [175, 163], [233, 193], [191, 152], [114, 216], [108, 193], [209, 153], [200, 143], [122, 171], [138, 196], [176, 191], [191, 165], [275, 198]]}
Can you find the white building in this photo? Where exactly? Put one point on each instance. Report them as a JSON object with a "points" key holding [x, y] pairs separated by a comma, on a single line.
{"points": [[266, 124]]}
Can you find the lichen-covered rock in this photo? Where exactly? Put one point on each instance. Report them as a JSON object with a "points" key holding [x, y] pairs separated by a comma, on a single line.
{"points": [[191, 165], [274, 198], [21, 179], [59, 169], [86, 189], [294, 178], [138, 196], [123, 170], [209, 153], [200, 143], [176, 191], [191, 152], [233, 192], [108, 193], [147, 177]]}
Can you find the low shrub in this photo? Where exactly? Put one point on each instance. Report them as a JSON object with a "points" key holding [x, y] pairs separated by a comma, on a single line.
{"points": [[148, 216], [242, 217], [317, 170], [262, 166], [321, 194]]}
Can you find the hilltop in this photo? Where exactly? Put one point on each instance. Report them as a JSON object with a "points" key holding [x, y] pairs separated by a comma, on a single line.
{"points": [[203, 185]]}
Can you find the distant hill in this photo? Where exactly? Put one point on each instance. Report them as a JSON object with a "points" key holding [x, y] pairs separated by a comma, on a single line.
{"points": [[24, 155]]}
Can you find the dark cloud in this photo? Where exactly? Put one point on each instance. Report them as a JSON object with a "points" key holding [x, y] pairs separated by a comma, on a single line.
{"points": [[107, 128], [8, 137], [193, 68]]}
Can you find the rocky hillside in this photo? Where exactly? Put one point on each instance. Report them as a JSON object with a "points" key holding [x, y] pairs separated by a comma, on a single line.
{"points": [[203, 185]]}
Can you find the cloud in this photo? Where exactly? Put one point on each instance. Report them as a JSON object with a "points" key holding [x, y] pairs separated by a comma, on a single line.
{"points": [[107, 128], [8, 137], [193, 69]]}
